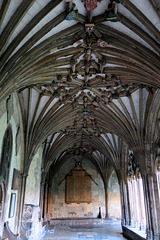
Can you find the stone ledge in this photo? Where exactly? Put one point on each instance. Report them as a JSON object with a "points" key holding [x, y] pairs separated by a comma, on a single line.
{"points": [[74, 221], [133, 233], [8, 234]]}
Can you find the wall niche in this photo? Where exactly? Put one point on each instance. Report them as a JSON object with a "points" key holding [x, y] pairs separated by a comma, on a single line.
{"points": [[75, 194]]}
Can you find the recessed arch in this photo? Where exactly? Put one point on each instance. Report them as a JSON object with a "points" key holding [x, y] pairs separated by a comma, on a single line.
{"points": [[6, 155]]}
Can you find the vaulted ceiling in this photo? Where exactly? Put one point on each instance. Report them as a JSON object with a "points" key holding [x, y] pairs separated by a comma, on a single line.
{"points": [[85, 72]]}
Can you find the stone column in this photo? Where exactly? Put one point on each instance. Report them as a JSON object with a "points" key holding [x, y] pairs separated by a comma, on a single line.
{"points": [[128, 205], [41, 201], [22, 196], [134, 212], [139, 203], [125, 203], [106, 196], [157, 202], [151, 207], [124, 186], [149, 224], [46, 202], [151, 196], [122, 205], [123, 220], [143, 159]]}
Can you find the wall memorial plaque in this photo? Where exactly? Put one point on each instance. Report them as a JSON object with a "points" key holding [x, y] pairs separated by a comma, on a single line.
{"points": [[78, 188]]}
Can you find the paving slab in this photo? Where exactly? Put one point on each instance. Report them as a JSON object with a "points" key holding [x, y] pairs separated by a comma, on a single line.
{"points": [[107, 230]]}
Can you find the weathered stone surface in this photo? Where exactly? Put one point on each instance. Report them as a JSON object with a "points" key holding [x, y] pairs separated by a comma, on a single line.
{"points": [[72, 210], [114, 207], [2, 108]]}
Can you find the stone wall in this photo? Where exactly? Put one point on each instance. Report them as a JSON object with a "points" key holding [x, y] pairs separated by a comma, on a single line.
{"points": [[114, 205], [32, 192], [57, 208], [9, 118], [31, 225]]}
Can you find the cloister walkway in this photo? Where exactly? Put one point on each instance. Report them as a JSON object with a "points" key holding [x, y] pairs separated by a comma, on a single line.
{"points": [[106, 230]]}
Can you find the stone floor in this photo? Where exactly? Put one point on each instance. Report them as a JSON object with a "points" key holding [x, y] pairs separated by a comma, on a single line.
{"points": [[106, 230]]}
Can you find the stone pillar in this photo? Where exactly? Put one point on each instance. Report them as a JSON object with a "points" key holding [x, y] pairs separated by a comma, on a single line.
{"points": [[22, 196], [142, 159], [124, 186], [125, 204], [46, 202], [122, 204], [41, 201], [106, 197], [150, 194], [134, 213], [147, 207], [139, 203], [157, 202], [150, 206], [128, 205]]}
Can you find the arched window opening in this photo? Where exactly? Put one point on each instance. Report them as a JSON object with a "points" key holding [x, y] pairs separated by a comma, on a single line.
{"points": [[136, 194], [5, 161]]}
